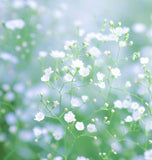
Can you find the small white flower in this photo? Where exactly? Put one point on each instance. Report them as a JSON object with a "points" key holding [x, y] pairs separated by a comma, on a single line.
{"points": [[115, 72], [68, 77], [119, 31], [69, 117], [42, 54], [84, 98], [139, 27], [48, 71], [79, 126], [91, 128], [128, 119], [58, 134], [141, 110], [136, 115], [57, 54], [94, 52], [45, 78], [148, 155], [77, 63], [58, 158], [69, 44], [37, 131], [122, 44], [144, 60], [101, 85], [134, 105], [39, 116], [100, 76], [15, 24], [81, 32], [84, 72], [118, 104], [82, 158], [128, 84], [75, 102]]}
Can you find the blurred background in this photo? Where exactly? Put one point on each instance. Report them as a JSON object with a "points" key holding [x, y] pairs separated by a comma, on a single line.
{"points": [[48, 24]]}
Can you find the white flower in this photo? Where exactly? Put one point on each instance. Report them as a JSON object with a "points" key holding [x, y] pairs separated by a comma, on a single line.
{"points": [[68, 77], [136, 116], [42, 54], [94, 52], [57, 54], [128, 119], [115, 72], [15, 24], [134, 105], [75, 102], [118, 104], [45, 78], [126, 103], [77, 63], [84, 98], [122, 44], [58, 134], [141, 110], [69, 117], [58, 158], [39, 116], [148, 155], [81, 32], [91, 128], [84, 72], [82, 158], [79, 126], [128, 84], [48, 71], [100, 76], [101, 85], [37, 131], [144, 60], [139, 27], [69, 44], [9, 57], [119, 31]]}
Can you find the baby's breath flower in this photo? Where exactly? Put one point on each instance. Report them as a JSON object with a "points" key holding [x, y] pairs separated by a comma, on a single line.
{"points": [[122, 44], [115, 72], [95, 52], [134, 105], [39, 116], [68, 77], [148, 154], [101, 85], [128, 119], [118, 104], [84, 98], [84, 72], [100, 76], [69, 44], [75, 102], [57, 54], [128, 84], [82, 158], [77, 63], [91, 128], [42, 54], [79, 126], [15, 24], [144, 60], [139, 27], [69, 117]]}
